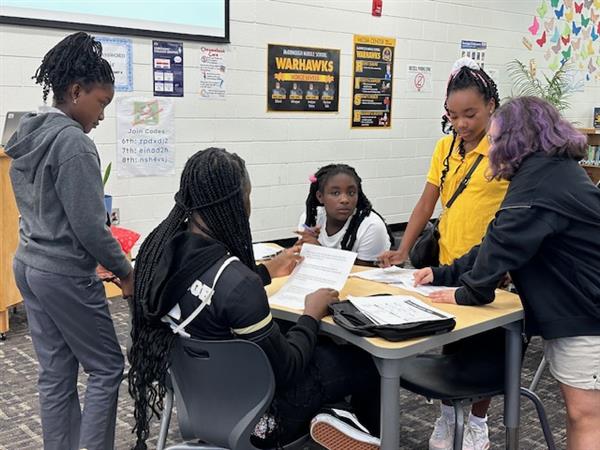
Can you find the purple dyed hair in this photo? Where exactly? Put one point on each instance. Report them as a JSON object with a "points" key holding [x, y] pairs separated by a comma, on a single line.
{"points": [[527, 125]]}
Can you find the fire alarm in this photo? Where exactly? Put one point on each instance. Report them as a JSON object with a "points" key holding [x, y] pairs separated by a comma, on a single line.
{"points": [[376, 10]]}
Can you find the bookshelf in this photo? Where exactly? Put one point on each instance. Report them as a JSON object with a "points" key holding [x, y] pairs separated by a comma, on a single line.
{"points": [[593, 137]]}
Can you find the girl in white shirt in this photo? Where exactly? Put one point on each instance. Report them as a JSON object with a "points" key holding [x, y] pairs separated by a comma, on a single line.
{"points": [[339, 215]]}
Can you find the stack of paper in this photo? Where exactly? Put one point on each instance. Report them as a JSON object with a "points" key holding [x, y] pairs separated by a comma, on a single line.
{"points": [[397, 309], [397, 277], [322, 267], [264, 251]]}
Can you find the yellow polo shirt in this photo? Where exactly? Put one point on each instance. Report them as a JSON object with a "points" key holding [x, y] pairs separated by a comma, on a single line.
{"points": [[463, 225]]}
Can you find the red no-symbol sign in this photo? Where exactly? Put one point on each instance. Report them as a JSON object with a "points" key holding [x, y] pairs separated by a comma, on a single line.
{"points": [[419, 81]]}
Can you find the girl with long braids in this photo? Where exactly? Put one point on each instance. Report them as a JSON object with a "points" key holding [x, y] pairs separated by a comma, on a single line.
{"points": [[57, 182], [471, 98], [208, 225], [339, 215]]}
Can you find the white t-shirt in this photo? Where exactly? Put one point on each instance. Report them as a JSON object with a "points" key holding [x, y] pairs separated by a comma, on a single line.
{"points": [[371, 238]]}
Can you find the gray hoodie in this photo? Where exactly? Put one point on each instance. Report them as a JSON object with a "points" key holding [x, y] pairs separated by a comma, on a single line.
{"points": [[56, 178]]}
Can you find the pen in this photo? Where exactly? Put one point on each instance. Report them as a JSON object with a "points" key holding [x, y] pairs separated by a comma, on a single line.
{"points": [[309, 229]]}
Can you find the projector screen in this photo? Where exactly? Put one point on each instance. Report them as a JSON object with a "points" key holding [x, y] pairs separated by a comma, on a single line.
{"points": [[198, 20]]}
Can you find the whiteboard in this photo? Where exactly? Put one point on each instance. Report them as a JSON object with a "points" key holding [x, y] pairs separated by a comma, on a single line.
{"points": [[199, 20]]}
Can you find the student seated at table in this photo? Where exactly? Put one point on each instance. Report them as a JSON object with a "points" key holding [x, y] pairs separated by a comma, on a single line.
{"points": [[208, 224], [339, 215], [546, 235]]}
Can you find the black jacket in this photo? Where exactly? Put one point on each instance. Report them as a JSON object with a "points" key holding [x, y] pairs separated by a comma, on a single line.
{"points": [[546, 234], [239, 307]]}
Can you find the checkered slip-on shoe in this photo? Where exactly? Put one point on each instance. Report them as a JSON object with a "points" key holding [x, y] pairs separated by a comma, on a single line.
{"points": [[337, 429]]}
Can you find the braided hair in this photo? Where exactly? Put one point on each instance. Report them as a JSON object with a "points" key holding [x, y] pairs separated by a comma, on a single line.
{"points": [[363, 206], [75, 59], [212, 187], [465, 78]]}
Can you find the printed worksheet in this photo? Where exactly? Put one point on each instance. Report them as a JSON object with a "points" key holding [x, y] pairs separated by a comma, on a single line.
{"points": [[264, 251], [397, 309], [322, 267], [400, 278]]}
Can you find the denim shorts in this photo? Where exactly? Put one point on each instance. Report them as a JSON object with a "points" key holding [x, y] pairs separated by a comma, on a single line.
{"points": [[575, 361]]}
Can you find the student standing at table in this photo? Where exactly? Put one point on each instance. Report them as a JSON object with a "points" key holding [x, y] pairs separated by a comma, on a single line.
{"points": [[471, 98], [546, 235], [57, 182]]}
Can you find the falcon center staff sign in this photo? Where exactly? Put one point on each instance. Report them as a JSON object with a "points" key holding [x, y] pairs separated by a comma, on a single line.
{"points": [[372, 83], [302, 78]]}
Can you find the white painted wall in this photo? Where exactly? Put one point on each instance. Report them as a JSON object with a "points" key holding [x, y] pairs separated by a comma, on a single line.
{"points": [[283, 149]]}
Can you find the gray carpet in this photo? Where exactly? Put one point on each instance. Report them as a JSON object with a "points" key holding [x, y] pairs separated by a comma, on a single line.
{"points": [[20, 421]]}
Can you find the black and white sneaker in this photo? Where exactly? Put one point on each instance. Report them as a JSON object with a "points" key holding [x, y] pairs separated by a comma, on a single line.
{"points": [[336, 429]]}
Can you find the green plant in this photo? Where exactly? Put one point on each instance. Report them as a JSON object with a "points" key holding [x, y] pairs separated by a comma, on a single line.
{"points": [[106, 174], [555, 90]]}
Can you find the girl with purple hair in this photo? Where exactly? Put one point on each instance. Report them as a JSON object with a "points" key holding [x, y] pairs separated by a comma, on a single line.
{"points": [[546, 234]]}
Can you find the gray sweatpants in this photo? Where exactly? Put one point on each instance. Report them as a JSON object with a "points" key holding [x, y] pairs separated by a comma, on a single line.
{"points": [[70, 325]]}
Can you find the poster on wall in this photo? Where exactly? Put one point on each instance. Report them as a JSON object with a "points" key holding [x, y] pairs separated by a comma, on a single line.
{"points": [[302, 78], [372, 83], [117, 51], [145, 137], [167, 65], [474, 50], [212, 73], [418, 79]]}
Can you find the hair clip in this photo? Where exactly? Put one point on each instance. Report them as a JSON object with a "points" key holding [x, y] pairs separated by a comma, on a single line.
{"points": [[312, 179]]}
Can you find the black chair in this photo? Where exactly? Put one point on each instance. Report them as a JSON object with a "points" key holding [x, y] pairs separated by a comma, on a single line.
{"points": [[221, 389], [461, 381]]}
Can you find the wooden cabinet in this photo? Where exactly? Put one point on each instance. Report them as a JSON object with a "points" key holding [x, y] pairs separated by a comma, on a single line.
{"points": [[9, 227], [593, 136]]}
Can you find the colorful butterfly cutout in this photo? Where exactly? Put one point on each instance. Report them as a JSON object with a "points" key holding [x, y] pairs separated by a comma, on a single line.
{"points": [[569, 15], [588, 3], [548, 54], [586, 33], [566, 53], [591, 67], [549, 25], [565, 39], [535, 26], [566, 30], [578, 7], [597, 4], [594, 35], [569, 3], [542, 9], [541, 41], [560, 12], [554, 64], [527, 43], [556, 36], [576, 29], [594, 16], [590, 48], [556, 48], [554, 3], [576, 44], [584, 21]]}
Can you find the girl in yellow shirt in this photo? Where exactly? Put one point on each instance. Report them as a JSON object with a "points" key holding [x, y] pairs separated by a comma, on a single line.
{"points": [[471, 98]]}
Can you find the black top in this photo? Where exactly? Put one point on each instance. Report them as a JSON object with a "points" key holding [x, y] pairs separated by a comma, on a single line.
{"points": [[546, 234], [239, 306]]}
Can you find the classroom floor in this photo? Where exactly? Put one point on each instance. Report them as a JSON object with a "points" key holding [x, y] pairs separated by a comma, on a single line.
{"points": [[20, 421]]}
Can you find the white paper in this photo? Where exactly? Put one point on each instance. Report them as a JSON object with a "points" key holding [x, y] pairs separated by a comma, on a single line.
{"points": [[400, 278], [322, 267], [397, 309], [264, 251]]}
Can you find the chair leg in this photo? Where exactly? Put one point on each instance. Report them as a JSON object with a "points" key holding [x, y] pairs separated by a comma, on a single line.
{"points": [[165, 420], [459, 424], [541, 412], [538, 374]]}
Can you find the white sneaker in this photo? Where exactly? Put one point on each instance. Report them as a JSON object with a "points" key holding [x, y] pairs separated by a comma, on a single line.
{"points": [[340, 430], [442, 437], [476, 437]]}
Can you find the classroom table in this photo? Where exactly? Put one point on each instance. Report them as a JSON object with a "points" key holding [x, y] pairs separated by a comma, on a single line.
{"points": [[506, 311]]}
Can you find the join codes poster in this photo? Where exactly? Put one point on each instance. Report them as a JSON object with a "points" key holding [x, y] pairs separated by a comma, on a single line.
{"points": [[302, 78], [372, 82], [145, 137]]}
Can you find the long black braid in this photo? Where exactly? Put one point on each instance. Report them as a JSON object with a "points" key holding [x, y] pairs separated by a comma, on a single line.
{"points": [[466, 78], [212, 187], [75, 59], [363, 206]]}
